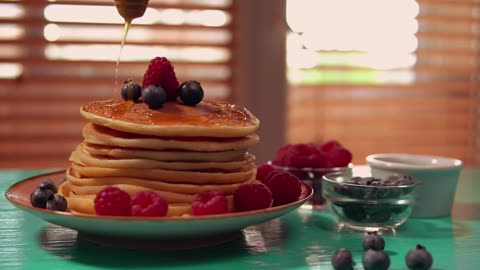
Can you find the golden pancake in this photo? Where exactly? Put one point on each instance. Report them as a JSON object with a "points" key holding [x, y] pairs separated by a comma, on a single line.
{"points": [[99, 135], [133, 153], [206, 119], [169, 176], [86, 159], [75, 179]]}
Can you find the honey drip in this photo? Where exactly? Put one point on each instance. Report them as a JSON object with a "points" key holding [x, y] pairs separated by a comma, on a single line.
{"points": [[122, 44]]}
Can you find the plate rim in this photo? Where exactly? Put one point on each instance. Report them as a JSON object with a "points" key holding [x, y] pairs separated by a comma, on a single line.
{"points": [[10, 197]]}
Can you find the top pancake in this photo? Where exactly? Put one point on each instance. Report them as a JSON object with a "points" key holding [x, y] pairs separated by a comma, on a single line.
{"points": [[208, 118]]}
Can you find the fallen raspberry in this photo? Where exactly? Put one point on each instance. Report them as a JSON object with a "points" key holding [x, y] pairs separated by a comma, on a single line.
{"points": [[210, 202], [112, 201], [285, 188], [249, 197], [150, 204], [262, 172], [160, 72]]}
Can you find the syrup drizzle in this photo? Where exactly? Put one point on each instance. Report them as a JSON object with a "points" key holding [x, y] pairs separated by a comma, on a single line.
{"points": [[122, 44]]}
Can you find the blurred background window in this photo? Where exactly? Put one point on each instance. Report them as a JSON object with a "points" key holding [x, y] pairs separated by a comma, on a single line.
{"points": [[385, 76], [379, 76], [57, 55]]}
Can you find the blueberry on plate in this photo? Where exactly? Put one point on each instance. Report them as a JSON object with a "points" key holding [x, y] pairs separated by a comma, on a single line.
{"points": [[154, 96], [190, 92], [342, 260], [131, 90], [57, 203], [372, 240], [418, 258], [48, 185], [39, 197], [375, 260]]}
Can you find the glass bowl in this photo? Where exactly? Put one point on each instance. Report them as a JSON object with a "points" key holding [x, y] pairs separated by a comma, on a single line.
{"points": [[313, 177], [368, 208]]}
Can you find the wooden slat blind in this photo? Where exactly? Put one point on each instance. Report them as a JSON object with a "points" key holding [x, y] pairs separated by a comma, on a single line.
{"points": [[56, 56], [429, 106]]}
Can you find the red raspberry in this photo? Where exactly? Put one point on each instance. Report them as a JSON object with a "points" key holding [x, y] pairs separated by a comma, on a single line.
{"points": [[210, 202], [112, 201], [330, 145], [252, 197], [269, 176], [285, 188], [281, 154], [160, 72], [339, 157], [149, 204], [262, 172], [303, 156]]}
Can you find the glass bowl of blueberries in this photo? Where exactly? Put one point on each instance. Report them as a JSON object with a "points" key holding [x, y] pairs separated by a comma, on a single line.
{"points": [[368, 203], [310, 162]]}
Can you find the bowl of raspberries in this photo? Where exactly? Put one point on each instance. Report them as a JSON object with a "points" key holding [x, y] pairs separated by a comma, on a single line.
{"points": [[369, 203], [310, 161]]}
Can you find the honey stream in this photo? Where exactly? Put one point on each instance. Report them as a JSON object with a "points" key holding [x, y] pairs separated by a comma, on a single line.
{"points": [[122, 44]]}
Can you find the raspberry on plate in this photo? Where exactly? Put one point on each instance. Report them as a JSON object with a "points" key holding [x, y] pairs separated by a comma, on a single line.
{"points": [[160, 72], [285, 188], [112, 201], [263, 171], [211, 202], [249, 197], [149, 204]]}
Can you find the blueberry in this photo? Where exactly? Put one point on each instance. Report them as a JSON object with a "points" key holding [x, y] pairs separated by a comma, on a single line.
{"points": [[48, 185], [380, 214], [354, 180], [39, 197], [354, 213], [131, 91], [57, 202], [418, 258], [154, 96], [375, 260], [190, 92], [343, 190], [342, 260], [373, 241]]}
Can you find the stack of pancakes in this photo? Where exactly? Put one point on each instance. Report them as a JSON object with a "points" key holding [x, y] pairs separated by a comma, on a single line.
{"points": [[177, 151]]}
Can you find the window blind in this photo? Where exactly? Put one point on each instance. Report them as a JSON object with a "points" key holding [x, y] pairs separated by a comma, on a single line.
{"points": [[57, 55], [391, 78]]}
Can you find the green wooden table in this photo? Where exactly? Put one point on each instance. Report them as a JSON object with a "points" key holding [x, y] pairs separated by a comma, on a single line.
{"points": [[303, 239]]}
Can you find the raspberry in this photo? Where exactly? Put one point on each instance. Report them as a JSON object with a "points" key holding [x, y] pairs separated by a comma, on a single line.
{"points": [[112, 201], [210, 202], [281, 154], [149, 204], [160, 72], [269, 176], [302, 156], [339, 157], [252, 197], [263, 171], [329, 145], [285, 188]]}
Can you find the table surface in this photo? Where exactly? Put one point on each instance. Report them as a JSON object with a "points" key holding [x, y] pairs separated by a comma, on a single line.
{"points": [[302, 239]]}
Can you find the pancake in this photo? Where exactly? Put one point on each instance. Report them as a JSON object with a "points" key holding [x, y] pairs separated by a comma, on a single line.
{"points": [[206, 119], [75, 179], [80, 156], [96, 134], [132, 153], [192, 177]]}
